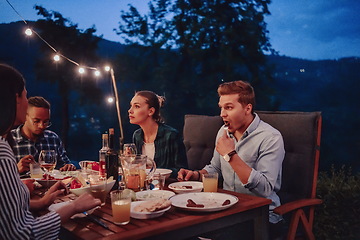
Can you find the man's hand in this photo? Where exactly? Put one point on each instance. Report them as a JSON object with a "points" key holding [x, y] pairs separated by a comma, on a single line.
{"points": [[225, 144], [68, 167], [24, 163], [186, 175]]}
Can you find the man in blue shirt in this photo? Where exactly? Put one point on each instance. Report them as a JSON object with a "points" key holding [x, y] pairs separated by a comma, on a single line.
{"points": [[249, 152], [32, 137]]}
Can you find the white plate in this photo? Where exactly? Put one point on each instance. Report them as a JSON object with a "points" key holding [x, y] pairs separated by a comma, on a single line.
{"points": [[181, 187], [154, 194], [164, 171], [212, 201], [56, 206], [146, 215]]}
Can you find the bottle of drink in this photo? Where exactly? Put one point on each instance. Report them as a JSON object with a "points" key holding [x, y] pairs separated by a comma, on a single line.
{"points": [[112, 159], [102, 155]]}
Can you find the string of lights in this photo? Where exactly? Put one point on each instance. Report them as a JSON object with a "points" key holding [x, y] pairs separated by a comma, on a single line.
{"points": [[57, 57], [81, 68]]}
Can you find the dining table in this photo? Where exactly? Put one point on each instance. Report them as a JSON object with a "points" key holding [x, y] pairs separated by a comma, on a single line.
{"points": [[173, 224]]}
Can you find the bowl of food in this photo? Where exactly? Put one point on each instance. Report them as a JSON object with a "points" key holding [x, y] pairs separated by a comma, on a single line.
{"points": [[89, 165], [153, 194], [149, 209], [163, 171], [186, 187], [78, 189]]}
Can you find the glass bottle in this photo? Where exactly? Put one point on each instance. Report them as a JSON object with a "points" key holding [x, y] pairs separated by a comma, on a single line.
{"points": [[102, 155], [112, 159]]}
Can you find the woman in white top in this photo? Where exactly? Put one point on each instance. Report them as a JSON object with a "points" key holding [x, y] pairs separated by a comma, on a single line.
{"points": [[154, 139], [17, 222]]}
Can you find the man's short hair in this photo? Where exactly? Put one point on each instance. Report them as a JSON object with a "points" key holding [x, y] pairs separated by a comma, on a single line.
{"points": [[39, 102], [243, 89]]}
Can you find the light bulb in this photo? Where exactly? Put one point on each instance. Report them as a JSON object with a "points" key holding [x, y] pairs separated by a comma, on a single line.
{"points": [[107, 68], [97, 73], [56, 58], [28, 32], [110, 100], [81, 70]]}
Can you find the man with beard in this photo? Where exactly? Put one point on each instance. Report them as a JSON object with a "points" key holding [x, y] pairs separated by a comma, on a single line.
{"points": [[32, 137]]}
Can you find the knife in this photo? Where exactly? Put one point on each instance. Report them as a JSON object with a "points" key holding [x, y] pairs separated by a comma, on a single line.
{"points": [[96, 220]]}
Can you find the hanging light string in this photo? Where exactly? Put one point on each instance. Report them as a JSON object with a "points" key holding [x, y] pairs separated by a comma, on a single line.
{"points": [[29, 32]]}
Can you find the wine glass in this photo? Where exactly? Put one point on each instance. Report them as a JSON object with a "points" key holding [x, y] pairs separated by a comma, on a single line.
{"points": [[130, 149], [47, 161]]}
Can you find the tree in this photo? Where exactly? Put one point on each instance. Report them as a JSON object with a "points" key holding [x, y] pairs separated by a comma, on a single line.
{"points": [[73, 43], [206, 42]]}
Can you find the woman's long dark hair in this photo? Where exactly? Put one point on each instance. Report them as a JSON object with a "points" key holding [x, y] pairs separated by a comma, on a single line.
{"points": [[11, 83]]}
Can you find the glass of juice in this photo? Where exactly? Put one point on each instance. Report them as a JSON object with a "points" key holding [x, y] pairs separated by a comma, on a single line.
{"points": [[120, 205], [98, 187], [210, 182]]}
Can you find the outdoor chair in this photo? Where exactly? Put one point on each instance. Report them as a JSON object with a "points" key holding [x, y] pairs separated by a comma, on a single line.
{"points": [[301, 132]]}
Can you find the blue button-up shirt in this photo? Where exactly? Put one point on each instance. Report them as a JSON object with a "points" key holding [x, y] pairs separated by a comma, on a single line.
{"points": [[48, 141], [262, 148]]}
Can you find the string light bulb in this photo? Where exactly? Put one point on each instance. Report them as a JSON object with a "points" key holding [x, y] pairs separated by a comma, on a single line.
{"points": [[81, 70], [97, 73], [28, 32], [107, 68], [56, 58], [110, 99]]}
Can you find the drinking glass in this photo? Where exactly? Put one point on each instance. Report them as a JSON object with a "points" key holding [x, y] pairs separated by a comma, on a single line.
{"points": [[47, 161], [35, 170], [98, 187], [120, 205], [130, 149], [210, 182]]}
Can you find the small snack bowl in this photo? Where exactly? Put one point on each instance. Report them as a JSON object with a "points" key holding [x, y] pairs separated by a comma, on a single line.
{"points": [[186, 187], [147, 215], [82, 190]]}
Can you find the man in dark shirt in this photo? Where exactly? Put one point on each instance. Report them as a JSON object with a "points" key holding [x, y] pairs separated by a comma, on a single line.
{"points": [[32, 137]]}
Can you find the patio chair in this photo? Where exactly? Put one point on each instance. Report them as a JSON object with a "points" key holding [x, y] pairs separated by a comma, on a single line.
{"points": [[301, 132]]}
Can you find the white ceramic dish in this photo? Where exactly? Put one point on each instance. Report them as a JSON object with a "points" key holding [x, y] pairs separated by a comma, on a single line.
{"points": [[79, 191], [55, 206], [153, 194], [186, 187], [146, 215], [164, 171], [212, 201]]}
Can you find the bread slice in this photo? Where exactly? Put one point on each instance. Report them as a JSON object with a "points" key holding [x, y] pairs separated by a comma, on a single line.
{"points": [[152, 205]]}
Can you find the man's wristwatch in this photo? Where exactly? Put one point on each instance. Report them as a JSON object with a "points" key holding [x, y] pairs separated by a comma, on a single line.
{"points": [[228, 156]]}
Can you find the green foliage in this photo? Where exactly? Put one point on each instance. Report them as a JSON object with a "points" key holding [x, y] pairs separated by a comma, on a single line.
{"points": [[76, 45], [185, 49], [338, 216]]}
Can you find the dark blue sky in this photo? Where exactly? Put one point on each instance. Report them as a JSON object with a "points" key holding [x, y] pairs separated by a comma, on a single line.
{"points": [[321, 29]]}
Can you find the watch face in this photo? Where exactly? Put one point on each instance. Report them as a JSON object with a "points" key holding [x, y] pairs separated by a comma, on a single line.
{"points": [[227, 158]]}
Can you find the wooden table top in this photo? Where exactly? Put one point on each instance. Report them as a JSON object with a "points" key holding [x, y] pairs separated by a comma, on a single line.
{"points": [[173, 222]]}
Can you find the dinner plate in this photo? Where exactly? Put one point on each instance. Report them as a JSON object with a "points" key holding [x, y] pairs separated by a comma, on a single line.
{"points": [[186, 187], [56, 206], [145, 215], [154, 194], [212, 201]]}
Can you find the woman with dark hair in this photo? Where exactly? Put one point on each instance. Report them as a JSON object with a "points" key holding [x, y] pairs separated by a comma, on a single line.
{"points": [[17, 222], [154, 139]]}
